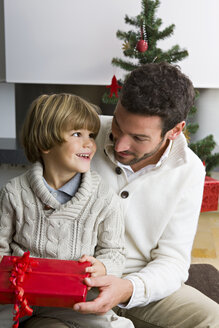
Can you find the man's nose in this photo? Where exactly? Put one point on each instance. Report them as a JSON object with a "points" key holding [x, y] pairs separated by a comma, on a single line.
{"points": [[122, 143]]}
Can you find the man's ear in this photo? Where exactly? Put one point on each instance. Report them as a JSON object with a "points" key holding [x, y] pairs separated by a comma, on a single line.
{"points": [[172, 134]]}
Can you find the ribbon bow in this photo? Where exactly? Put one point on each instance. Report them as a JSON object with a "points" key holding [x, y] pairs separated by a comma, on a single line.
{"points": [[21, 265]]}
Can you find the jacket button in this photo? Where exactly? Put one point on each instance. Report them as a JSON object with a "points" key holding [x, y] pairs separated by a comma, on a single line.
{"points": [[47, 207], [118, 170], [124, 194]]}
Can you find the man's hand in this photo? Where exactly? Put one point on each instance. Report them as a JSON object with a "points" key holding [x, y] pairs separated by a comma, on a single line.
{"points": [[112, 291], [96, 269]]}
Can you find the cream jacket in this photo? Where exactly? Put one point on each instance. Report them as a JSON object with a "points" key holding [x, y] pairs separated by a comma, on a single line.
{"points": [[161, 214]]}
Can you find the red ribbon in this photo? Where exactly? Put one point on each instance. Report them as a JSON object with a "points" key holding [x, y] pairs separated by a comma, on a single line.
{"points": [[21, 266]]}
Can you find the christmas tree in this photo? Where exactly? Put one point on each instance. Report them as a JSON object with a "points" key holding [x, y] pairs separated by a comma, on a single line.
{"points": [[140, 45], [203, 148]]}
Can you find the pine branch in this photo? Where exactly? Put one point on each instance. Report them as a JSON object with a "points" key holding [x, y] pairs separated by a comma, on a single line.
{"points": [[192, 128], [127, 66], [192, 111], [174, 54], [132, 20], [203, 147], [124, 35], [157, 23], [211, 162], [148, 9], [109, 100], [168, 31]]}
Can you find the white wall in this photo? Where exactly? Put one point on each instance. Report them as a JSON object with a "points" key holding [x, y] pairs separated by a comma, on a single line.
{"points": [[208, 115]]}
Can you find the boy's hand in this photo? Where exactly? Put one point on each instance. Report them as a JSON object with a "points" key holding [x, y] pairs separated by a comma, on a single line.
{"points": [[96, 269], [1, 258]]}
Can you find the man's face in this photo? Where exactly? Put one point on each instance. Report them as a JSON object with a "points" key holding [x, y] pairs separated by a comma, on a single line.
{"points": [[137, 138]]}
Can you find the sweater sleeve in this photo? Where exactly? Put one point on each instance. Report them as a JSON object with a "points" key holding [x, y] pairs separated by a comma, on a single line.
{"points": [[170, 260], [7, 219], [110, 249]]}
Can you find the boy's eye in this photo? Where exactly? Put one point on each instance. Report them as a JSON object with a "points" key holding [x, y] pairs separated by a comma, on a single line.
{"points": [[76, 134], [92, 135]]}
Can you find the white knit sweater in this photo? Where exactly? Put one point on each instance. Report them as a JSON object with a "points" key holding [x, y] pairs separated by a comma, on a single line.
{"points": [[90, 223], [161, 216]]}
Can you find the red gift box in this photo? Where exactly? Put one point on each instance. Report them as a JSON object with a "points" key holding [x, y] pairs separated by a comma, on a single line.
{"points": [[47, 282], [210, 195]]}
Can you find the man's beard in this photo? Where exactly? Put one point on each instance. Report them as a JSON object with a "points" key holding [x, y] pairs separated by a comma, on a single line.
{"points": [[136, 160]]}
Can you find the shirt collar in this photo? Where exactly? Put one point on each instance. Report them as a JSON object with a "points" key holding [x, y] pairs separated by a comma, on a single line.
{"points": [[70, 187], [150, 166]]}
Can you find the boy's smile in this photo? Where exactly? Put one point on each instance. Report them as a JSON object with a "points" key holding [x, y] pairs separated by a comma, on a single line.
{"points": [[85, 156]]}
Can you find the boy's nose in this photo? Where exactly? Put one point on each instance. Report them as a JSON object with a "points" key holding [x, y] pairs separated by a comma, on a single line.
{"points": [[88, 142]]}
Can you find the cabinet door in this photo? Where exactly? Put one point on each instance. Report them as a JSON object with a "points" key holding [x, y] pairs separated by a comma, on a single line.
{"points": [[64, 41], [196, 29], [74, 41]]}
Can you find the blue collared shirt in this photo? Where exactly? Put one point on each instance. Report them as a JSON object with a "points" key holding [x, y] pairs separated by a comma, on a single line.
{"points": [[66, 192]]}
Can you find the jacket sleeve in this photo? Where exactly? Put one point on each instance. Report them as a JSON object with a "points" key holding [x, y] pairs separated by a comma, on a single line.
{"points": [[7, 219], [110, 249], [170, 260]]}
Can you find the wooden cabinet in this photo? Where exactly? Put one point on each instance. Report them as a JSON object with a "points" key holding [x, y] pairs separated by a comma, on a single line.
{"points": [[73, 42], [64, 41]]}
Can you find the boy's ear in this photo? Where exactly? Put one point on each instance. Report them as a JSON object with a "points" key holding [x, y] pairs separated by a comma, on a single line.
{"points": [[173, 133], [45, 151]]}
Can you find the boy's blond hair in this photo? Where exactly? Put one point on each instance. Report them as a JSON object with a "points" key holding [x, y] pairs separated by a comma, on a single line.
{"points": [[49, 116]]}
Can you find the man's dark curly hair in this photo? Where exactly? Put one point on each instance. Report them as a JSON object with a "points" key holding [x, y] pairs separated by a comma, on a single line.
{"points": [[158, 89]]}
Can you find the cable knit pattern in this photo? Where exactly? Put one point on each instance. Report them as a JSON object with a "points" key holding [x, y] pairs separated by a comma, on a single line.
{"points": [[90, 223]]}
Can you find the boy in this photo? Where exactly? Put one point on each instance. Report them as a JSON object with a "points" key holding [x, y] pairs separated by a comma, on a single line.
{"points": [[59, 208]]}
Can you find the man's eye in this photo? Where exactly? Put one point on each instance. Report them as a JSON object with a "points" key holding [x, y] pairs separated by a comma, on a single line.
{"points": [[116, 125], [139, 138], [76, 134]]}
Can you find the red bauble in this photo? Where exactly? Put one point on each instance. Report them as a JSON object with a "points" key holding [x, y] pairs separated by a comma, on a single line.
{"points": [[142, 46]]}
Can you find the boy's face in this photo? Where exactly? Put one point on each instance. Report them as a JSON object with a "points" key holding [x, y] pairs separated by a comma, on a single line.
{"points": [[75, 154]]}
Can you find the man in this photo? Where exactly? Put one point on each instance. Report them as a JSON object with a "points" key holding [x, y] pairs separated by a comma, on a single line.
{"points": [[144, 156]]}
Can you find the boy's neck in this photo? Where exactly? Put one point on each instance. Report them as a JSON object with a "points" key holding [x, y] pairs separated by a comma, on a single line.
{"points": [[57, 180]]}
